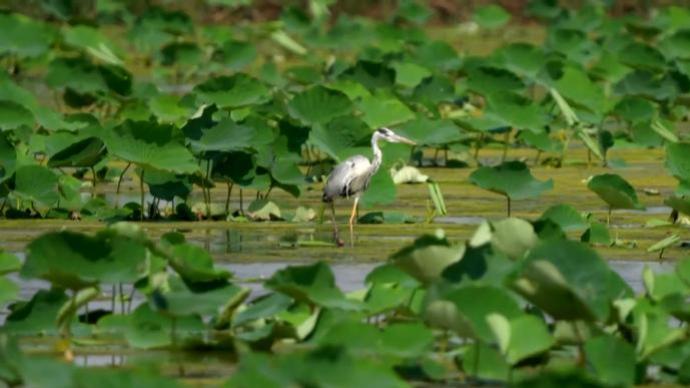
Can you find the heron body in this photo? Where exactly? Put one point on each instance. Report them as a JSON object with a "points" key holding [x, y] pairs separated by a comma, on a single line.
{"points": [[351, 177]]}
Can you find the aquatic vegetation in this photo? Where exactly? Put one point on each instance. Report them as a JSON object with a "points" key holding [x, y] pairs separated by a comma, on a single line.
{"points": [[502, 306], [188, 118]]}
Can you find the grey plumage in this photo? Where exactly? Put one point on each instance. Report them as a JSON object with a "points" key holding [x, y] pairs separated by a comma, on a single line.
{"points": [[351, 177]]}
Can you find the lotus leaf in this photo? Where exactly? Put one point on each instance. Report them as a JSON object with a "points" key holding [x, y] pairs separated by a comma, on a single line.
{"points": [[512, 179], [566, 216], [491, 16], [313, 283], [520, 337], [75, 260], [612, 360], [151, 145], [13, 115], [382, 111], [319, 105], [464, 310], [233, 91], [560, 270], [24, 36], [615, 191], [36, 184]]}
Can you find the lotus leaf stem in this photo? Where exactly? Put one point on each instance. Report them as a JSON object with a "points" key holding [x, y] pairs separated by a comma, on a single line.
{"points": [[119, 181], [227, 198], [141, 192]]}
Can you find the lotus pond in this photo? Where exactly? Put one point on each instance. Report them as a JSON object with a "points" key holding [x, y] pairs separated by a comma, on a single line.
{"points": [[161, 168]]}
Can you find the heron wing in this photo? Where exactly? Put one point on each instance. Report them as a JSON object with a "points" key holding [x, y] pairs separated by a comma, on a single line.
{"points": [[347, 178]]}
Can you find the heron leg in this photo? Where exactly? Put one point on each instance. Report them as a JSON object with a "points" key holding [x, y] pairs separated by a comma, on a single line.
{"points": [[336, 235], [352, 221]]}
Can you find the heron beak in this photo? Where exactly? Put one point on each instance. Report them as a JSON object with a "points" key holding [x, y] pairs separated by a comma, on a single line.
{"points": [[405, 140]]}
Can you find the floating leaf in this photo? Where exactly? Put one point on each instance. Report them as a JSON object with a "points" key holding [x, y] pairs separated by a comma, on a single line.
{"points": [[615, 191]]}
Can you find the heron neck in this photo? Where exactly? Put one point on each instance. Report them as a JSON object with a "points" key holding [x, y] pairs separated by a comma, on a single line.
{"points": [[378, 156]]}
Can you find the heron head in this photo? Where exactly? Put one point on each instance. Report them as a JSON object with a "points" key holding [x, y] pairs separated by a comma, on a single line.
{"points": [[392, 137]]}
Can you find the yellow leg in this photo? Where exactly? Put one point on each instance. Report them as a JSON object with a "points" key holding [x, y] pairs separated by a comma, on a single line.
{"points": [[336, 236], [352, 222]]}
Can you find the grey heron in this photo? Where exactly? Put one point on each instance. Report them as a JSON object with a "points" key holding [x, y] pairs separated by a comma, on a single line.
{"points": [[351, 177]]}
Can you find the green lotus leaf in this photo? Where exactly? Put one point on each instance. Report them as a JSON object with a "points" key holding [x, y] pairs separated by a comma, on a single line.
{"points": [[486, 362], [353, 90], [512, 179], [181, 54], [381, 111], [75, 260], [262, 308], [465, 309], [615, 191], [339, 135], [680, 204], [677, 45], [195, 265], [228, 135], [93, 42], [566, 217], [521, 58], [8, 290], [314, 283], [168, 109], [492, 80], [216, 299], [372, 75], [511, 236], [409, 74], [643, 57], [560, 270], [237, 167], [635, 110], [36, 184], [437, 55], [13, 116], [37, 315], [427, 257], [264, 210], [578, 89], [430, 132], [8, 157], [572, 43], [491, 16], [434, 90], [167, 185], [148, 329], [381, 190], [24, 36], [520, 337], [612, 360], [233, 91], [83, 153], [678, 160], [319, 105], [236, 55], [8, 263], [78, 74], [69, 189], [646, 84], [150, 145], [517, 111], [327, 366]]}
